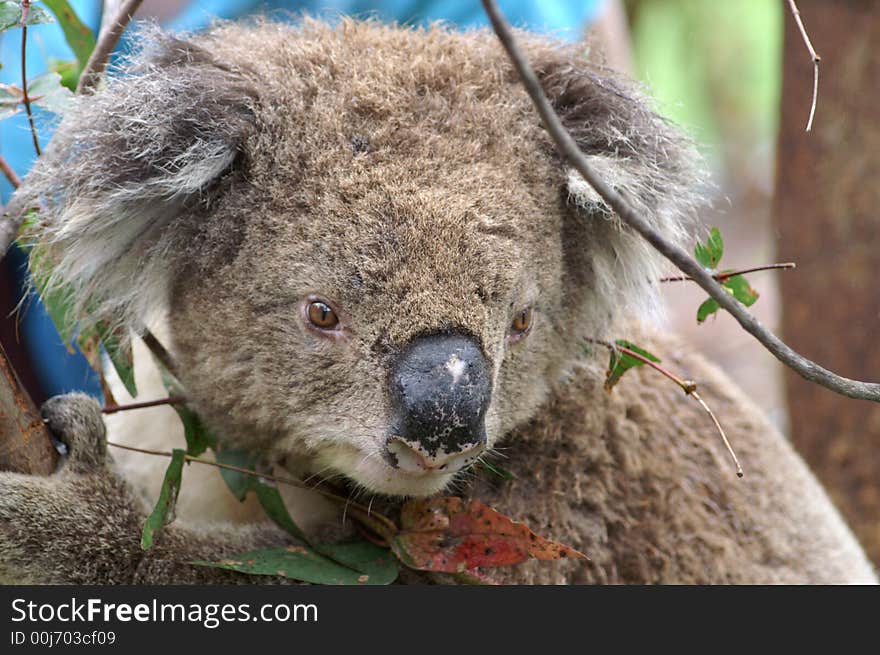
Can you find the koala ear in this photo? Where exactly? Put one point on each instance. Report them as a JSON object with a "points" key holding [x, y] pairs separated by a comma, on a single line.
{"points": [[126, 163], [650, 162]]}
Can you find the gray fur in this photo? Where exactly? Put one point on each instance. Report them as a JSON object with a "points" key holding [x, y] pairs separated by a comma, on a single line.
{"points": [[402, 176]]}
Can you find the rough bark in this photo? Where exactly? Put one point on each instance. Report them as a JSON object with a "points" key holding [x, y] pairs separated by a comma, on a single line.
{"points": [[25, 445], [827, 201]]}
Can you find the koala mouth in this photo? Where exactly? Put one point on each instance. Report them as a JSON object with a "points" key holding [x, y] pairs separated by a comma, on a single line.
{"points": [[370, 470]]}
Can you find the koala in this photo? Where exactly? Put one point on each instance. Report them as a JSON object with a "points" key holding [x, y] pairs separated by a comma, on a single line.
{"points": [[370, 265]]}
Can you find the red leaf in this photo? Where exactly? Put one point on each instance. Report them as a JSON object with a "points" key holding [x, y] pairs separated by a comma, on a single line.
{"points": [[453, 535]]}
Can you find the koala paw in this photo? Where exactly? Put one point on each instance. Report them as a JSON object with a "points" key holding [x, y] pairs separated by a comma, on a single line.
{"points": [[75, 420], [78, 525]]}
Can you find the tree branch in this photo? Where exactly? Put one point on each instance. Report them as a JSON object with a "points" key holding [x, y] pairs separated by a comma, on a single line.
{"points": [[721, 277], [114, 19], [25, 98], [570, 151], [813, 55], [25, 444], [10, 174]]}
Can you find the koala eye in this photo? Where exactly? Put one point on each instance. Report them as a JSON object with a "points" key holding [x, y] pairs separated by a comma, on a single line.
{"points": [[522, 323], [321, 316]]}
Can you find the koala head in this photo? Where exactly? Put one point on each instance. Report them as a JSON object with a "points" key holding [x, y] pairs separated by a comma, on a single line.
{"points": [[368, 256]]}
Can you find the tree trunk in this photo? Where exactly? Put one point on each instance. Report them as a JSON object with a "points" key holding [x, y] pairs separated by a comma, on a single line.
{"points": [[25, 445], [828, 215]]}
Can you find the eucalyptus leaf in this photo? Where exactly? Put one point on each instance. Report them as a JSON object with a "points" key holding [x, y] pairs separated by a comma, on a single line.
{"points": [[268, 495], [239, 483], [299, 563], [377, 562], [620, 362], [78, 36], [709, 307], [120, 356], [741, 290], [163, 512], [46, 91], [198, 437], [273, 504], [10, 15], [10, 101], [709, 255]]}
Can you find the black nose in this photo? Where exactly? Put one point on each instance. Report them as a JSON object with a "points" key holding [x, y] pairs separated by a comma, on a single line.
{"points": [[440, 389]]}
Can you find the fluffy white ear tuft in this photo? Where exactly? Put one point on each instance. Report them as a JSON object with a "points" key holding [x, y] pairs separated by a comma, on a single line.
{"points": [[125, 166]]}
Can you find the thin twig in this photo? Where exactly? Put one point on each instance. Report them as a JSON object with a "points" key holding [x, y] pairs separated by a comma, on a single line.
{"points": [[25, 98], [382, 525], [739, 469], [10, 174], [688, 386], [569, 149], [721, 277], [813, 55], [114, 19], [170, 400]]}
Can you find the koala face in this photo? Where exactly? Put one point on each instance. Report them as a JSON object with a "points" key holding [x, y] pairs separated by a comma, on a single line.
{"points": [[393, 331], [371, 260]]}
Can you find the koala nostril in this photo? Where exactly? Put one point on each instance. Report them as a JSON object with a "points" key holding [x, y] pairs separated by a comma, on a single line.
{"points": [[440, 391], [412, 458]]}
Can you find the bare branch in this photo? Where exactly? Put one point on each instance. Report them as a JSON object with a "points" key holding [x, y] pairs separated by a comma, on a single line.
{"points": [[568, 148], [114, 19], [25, 98], [721, 277], [382, 525], [813, 55], [170, 400], [10, 174], [688, 386]]}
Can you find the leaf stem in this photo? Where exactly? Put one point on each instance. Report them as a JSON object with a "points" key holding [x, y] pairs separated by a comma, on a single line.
{"points": [[9, 173], [170, 400], [813, 55], [114, 19], [570, 151], [381, 525], [688, 386], [721, 277], [25, 98]]}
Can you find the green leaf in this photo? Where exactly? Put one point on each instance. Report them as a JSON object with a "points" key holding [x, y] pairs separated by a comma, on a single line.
{"points": [[377, 562], [46, 91], [198, 437], [709, 255], [57, 300], [121, 357], [239, 483], [78, 36], [298, 563], [68, 70], [10, 101], [741, 290], [709, 307], [621, 362], [10, 15], [268, 495], [163, 512], [273, 504]]}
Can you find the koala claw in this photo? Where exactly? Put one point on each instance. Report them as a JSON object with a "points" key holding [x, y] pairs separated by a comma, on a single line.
{"points": [[75, 420]]}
